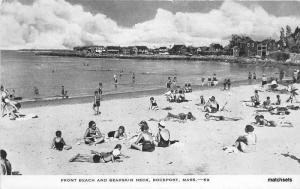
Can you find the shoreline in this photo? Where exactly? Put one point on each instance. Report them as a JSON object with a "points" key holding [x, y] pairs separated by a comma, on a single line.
{"points": [[217, 58], [56, 101]]}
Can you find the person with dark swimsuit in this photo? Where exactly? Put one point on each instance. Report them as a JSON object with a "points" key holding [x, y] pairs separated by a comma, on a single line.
{"points": [[153, 104], [59, 143], [93, 135], [220, 118], [96, 104], [5, 166], [100, 157], [144, 141], [181, 116], [119, 134], [163, 136]]}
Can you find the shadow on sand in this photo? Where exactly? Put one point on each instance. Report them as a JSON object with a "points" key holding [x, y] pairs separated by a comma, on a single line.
{"points": [[291, 156]]}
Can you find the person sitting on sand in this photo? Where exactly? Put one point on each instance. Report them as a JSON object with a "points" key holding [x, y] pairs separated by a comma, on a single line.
{"points": [[96, 104], [267, 103], [278, 100], [59, 143], [162, 138], [153, 104], [170, 96], [221, 118], [92, 134], [202, 101], [211, 105], [102, 157], [119, 134], [144, 141], [5, 166], [189, 87], [180, 97], [247, 143]]}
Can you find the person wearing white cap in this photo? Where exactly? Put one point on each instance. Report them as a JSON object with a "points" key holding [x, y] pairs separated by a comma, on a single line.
{"points": [[162, 138]]}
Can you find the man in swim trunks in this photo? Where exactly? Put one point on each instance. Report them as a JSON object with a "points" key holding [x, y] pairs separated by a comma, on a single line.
{"points": [[93, 135], [162, 138]]}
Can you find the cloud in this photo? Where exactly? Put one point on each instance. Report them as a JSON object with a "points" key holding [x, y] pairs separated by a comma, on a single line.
{"points": [[59, 24]]}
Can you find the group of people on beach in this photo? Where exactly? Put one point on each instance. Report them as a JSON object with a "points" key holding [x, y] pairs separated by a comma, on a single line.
{"points": [[211, 81]]}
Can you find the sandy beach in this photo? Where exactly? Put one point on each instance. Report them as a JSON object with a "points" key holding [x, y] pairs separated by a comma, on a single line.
{"points": [[199, 150]]}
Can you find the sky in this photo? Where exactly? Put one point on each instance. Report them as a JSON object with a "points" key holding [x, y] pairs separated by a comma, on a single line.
{"points": [[63, 24]]}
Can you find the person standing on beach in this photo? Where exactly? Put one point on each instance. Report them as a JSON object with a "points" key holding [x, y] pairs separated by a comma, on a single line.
{"points": [[133, 77], [264, 80], [254, 75], [202, 81], [115, 80], [5, 166], [169, 82], [249, 76], [174, 83], [281, 75], [96, 105]]}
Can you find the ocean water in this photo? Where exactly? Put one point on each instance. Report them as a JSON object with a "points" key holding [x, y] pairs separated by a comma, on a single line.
{"points": [[22, 71]]}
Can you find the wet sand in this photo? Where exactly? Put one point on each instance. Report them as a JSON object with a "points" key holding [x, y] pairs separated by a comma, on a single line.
{"points": [[199, 151]]}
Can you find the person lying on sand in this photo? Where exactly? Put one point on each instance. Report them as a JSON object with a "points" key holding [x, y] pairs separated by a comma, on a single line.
{"points": [[102, 157], [245, 143], [221, 118], [153, 104], [276, 110], [144, 142], [58, 142], [260, 121], [211, 106], [118, 134], [181, 117], [92, 134]]}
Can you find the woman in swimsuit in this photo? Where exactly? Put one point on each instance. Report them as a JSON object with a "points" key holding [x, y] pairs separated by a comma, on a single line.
{"points": [[162, 138], [144, 141], [59, 143], [153, 104], [119, 134], [247, 142], [180, 116], [221, 118], [93, 135], [96, 104], [102, 157]]}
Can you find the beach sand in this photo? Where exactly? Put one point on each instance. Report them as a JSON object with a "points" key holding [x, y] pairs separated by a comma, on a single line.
{"points": [[199, 150]]}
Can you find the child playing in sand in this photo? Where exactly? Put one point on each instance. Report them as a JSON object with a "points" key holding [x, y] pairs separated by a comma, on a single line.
{"points": [[96, 105], [5, 166], [153, 104], [102, 157], [221, 118], [59, 143], [118, 134], [92, 134]]}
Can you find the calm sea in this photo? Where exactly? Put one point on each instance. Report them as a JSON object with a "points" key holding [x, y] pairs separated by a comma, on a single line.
{"points": [[22, 71]]}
